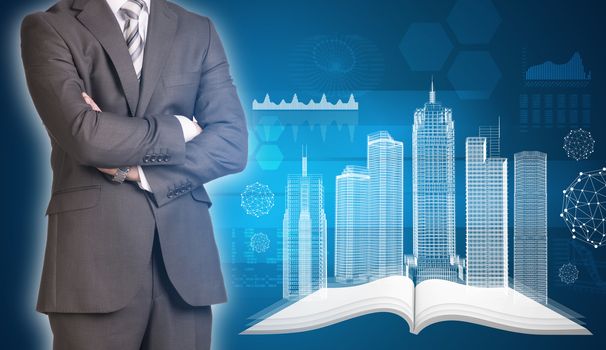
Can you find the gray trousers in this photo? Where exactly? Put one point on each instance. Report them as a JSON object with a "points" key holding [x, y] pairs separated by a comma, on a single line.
{"points": [[155, 319]]}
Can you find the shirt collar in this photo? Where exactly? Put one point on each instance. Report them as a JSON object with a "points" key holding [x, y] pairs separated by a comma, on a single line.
{"points": [[115, 5]]}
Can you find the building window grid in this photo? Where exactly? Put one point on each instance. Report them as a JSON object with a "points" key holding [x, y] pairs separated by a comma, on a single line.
{"points": [[486, 215], [433, 192], [530, 225]]}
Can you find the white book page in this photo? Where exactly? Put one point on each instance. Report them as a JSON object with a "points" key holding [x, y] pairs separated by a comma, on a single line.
{"points": [[502, 308], [328, 306]]}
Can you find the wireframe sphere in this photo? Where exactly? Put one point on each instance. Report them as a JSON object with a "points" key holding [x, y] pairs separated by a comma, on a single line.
{"points": [[579, 144], [257, 199], [568, 273], [584, 207], [259, 242]]}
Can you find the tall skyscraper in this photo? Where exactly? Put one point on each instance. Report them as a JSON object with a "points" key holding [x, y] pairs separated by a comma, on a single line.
{"points": [[530, 225], [433, 191], [351, 225], [304, 235], [492, 133], [486, 214], [386, 221]]}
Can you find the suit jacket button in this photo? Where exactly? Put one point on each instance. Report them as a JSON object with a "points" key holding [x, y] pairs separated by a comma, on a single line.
{"points": [[146, 159], [166, 158]]}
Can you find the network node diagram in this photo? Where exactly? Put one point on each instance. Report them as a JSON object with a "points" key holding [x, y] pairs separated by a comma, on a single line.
{"points": [[579, 144], [257, 199], [259, 242], [584, 207], [568, 273]]}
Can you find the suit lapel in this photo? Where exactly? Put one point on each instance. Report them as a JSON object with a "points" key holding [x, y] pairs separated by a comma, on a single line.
{"points": [[97, 17], [161, 31]]}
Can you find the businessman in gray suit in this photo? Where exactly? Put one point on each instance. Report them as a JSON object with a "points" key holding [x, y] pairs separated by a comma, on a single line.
{"points": [[131, 260]]}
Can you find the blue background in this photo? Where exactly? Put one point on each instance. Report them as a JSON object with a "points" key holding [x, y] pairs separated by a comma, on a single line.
{"points": [[268, 44]]}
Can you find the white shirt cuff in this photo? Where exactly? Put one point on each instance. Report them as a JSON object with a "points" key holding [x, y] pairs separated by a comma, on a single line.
{"points": [[189, 128], [143, 184]]}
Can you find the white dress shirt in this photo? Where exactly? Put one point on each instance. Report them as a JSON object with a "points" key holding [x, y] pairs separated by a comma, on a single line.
{"points": [[189, 127]]}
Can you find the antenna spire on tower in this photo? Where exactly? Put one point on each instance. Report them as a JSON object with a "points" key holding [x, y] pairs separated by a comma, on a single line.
{"points": [[304, 160], [432, 93]]}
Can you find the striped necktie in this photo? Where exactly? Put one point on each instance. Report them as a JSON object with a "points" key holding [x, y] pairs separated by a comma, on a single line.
{"points": [[131, 11]]}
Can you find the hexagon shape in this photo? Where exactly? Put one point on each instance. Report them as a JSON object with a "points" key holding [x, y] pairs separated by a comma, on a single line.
{"points": [[253, 143], [269, 157], [474, 75], [474, 21], [425, 46], [269, 128]]}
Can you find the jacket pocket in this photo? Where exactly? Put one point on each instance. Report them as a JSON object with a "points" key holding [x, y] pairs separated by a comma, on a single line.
{"points": [[201, 195], [74, 199], [177, 79]]}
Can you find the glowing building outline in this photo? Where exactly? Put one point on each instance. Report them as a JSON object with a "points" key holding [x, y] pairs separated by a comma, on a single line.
{"points": [[530, 225], [433, 190], [486, 216], [351, 225], [386, 196], [492, 133], [304, 235]]}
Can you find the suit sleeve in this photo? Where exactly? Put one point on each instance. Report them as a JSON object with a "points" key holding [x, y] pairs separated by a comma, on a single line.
{"points": [[222, 148], [98, 139]]}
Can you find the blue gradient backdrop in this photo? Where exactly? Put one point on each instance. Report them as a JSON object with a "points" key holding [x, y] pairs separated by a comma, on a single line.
{"points": [[264, 40]]}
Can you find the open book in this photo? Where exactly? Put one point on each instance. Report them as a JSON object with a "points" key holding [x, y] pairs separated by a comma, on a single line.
{"points": [[430, 302]]}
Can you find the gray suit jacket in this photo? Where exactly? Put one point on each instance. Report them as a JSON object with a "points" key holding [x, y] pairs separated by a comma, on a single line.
{"points": [[100, 233]]}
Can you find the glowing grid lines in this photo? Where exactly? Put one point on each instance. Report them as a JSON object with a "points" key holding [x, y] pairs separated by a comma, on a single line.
{"points": [[433, 191]]}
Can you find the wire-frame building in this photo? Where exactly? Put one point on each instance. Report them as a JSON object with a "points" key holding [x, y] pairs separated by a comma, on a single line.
{"points": [[386, 197], [530, 225], [304, 235], [351, 225], [433, 191], [486, 216]]}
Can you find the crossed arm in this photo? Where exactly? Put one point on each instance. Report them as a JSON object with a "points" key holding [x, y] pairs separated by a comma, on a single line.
{"points": [[190, 130], [106, 140], [133, 174]]}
